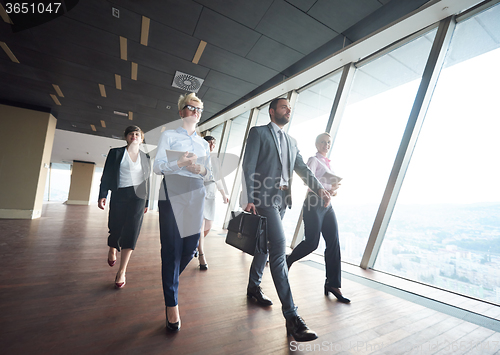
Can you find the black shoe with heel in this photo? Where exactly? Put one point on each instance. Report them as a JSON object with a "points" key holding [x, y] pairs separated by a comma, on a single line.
{"points": [[203, 266], [336, 294], [173, 327]]}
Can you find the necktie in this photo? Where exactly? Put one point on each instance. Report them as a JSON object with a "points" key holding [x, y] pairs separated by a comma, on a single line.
{"points": [[284, 157]]}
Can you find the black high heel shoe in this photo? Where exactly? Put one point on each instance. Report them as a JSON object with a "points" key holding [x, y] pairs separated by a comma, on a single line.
{"points": [[336, 294], [203, 266], [174, 327]]}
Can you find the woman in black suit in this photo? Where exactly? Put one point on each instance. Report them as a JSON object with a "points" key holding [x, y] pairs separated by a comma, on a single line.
{"points": [[126, 174], [319, 219]]}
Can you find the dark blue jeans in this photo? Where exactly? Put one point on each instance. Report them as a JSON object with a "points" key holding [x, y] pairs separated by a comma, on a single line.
{"points": [[320, 220], [176, 252]]}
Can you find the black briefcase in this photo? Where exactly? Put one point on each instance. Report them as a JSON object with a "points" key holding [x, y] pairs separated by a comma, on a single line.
{"points": [[247, 232]]}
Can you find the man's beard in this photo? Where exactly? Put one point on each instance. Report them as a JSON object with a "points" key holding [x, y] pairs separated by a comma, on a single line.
{"points": [[281, 120]]}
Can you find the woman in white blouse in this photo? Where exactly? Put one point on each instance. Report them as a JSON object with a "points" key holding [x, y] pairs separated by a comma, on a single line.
{"points": [[183, 158], [126, 173], [321, 220]]}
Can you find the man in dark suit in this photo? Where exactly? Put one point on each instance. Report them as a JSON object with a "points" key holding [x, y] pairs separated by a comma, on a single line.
{"points": [[271, 157]]}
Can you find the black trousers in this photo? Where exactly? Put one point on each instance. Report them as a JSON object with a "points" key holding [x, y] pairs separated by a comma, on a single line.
{"points": [[320, 220], [126, 212]]}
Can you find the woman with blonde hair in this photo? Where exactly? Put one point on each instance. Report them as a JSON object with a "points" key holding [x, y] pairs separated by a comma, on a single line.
{"points": [[319, 219], [183, 158]]}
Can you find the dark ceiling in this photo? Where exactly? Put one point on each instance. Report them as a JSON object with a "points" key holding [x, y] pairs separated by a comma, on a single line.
{"points": [[251, 45]]}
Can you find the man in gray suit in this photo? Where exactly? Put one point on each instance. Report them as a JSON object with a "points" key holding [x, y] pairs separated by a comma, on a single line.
{"points": [[271, 157]]}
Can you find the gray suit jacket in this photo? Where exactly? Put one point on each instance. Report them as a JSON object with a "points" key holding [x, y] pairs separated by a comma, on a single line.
{"points": [[262, 167]]}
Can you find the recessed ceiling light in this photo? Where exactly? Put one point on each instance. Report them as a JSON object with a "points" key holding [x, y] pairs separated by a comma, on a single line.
{"points": [[118, 81], [99, 107], [168, 107], [145, 30], [130, 115], [58, 90], [103, 124], [9, 53], [120, 113], [73, 125], [199, 52], [102, 89], [133, 73], [93, 128], [123, 48], [4, 15], [56, 100]]}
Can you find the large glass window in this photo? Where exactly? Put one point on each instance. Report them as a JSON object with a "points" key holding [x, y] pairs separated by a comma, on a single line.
{"points": [[378, 107], [216, 132], [445, 229], [229, 161], [58, 182], [263, 117], [309, 118]]}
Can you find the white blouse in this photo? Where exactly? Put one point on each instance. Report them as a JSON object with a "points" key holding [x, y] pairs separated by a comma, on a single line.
{"points": [[130, 172]]}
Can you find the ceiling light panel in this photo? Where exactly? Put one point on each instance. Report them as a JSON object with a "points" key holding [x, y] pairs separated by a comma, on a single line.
{"points": [[102, 89], [130, 115], [118, 81], [93, 128], [56, 100], [123, 48], [103, 124], [58, 90], [4, 15], [199, 52], [134, 69], [145, 30], [7, 51]]}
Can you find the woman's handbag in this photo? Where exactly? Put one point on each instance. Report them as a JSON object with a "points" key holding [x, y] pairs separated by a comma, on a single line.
{"points": [[247, 232]]}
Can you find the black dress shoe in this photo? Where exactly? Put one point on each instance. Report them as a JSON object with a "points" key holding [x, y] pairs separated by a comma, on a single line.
{"points": [[173, 327], [297, 328], [336, 294], [256, 292]]}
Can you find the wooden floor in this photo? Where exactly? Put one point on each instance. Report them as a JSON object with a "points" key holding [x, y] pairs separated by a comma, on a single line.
{"points": [[57, 297]]}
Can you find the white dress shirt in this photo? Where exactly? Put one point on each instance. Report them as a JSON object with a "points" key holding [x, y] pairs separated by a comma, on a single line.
{"points": [[130, 172], [181, 141], [285, 162]]}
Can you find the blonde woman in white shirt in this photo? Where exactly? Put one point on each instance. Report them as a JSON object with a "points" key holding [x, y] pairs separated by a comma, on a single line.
{"points": [[319, 219], [183, 158], [126, 173]]}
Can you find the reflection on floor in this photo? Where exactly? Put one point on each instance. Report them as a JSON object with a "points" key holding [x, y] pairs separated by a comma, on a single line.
{"points": [[57, 297]]}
